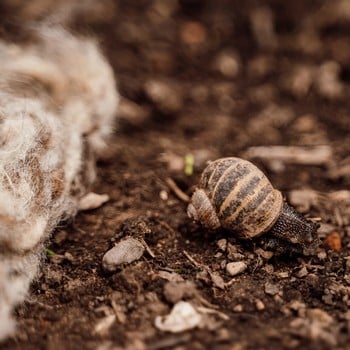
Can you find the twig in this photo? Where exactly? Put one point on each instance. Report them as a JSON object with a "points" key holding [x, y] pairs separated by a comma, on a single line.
{"points": [[230, 282], [177, 191], [205, 302], [194, 262], [215, 277], [148, 249], [206, 310]]}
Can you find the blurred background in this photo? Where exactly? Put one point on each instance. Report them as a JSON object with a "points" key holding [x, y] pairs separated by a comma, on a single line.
{"points": [[225, 74]]}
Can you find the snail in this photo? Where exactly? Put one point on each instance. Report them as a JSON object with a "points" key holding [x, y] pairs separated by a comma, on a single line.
{"points": [[235, 195]]}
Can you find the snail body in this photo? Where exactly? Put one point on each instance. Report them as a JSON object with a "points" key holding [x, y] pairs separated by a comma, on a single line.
{"points": [[235, 195]]}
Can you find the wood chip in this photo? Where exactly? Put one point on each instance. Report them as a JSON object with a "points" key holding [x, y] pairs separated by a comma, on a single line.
{"points": [[313, 155]]}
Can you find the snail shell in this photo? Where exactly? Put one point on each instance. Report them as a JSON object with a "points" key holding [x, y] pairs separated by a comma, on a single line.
{"points": [[234, 194]]}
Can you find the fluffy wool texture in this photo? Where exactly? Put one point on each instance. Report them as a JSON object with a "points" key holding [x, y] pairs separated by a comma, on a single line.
{"points": [[58, 101]]}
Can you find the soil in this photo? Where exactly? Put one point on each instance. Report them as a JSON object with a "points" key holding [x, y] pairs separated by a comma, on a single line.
{"points": [[206, 79]]}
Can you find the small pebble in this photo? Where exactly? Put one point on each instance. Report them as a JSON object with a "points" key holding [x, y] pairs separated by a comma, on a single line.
{"points": [[233, 252], [163, 195], [267, 255], [124, 252], [312, 280], [227, 63], [238, 308], [235, 268], [271, 288], [217, 280], [269, 269], [322, 255], [260, 306], [302, 272], [222, 244], [282, 274]]}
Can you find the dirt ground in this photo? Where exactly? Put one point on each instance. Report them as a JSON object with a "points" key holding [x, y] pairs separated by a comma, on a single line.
{"points": [[201, 80]]}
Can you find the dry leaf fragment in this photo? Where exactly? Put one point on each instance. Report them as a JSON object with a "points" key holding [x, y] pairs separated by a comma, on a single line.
{"points": [[92, 201], [333, 241], [182, 317]]}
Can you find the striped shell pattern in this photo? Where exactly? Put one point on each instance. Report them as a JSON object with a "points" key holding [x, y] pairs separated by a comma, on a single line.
{"points": [[242, 197]]}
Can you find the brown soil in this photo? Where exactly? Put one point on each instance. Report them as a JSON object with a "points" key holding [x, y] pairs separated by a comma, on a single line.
{"points": [[214, 108]]}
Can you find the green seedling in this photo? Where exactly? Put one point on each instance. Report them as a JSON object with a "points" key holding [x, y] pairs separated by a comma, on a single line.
{"points": [[189, 164], [50, 252]]}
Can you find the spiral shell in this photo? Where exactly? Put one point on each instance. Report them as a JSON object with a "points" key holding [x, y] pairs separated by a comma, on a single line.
{"points": [[234, 194]]}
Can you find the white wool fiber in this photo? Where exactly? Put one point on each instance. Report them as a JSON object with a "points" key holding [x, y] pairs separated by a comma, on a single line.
{"points": [[58, 102]]}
